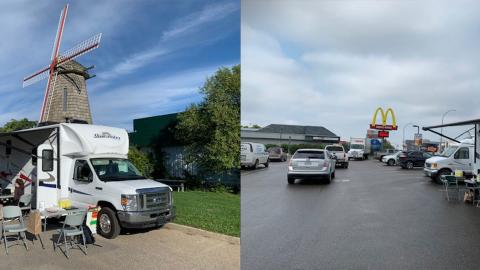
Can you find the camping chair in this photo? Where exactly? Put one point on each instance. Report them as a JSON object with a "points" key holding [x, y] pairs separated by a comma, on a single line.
{"points": [[72, 227], [451, 184], [12, 222]]}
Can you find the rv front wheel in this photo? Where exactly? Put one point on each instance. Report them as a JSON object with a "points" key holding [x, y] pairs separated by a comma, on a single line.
{"points": [[107, 223]]}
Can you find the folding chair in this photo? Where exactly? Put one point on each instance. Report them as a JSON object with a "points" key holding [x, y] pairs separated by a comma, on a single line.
{"points": [[72, 227], [12, 222], [451, 184]]}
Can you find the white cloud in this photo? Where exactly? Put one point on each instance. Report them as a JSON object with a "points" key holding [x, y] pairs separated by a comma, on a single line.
{"points": [[333, 63]]}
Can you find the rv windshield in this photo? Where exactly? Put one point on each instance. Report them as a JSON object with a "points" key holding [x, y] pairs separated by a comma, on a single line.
{"points": [[115, 169], [448, 151], [356, 146]]}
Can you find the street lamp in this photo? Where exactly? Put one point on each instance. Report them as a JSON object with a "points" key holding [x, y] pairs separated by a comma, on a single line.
{"points": [[441, 129], [403, 138], [418, 132]]}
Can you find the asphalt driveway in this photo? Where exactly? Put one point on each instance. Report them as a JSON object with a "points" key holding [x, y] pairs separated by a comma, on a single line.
{"points": [[371, 217]]}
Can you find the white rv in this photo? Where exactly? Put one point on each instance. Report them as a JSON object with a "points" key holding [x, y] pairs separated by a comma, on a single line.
{"points": [[87, 164], [457, 156]]}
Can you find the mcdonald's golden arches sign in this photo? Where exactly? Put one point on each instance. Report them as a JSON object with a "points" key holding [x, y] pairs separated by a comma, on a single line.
{"points": [[384, 117]]}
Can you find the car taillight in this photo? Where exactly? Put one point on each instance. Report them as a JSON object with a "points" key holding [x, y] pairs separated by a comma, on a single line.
{"points": [[325, 164]]}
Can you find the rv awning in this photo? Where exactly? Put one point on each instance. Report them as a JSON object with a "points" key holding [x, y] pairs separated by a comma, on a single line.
{"points": [[454, 124]]}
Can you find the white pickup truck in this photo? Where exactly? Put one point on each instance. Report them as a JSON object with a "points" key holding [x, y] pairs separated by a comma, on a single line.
{"points": [[340, 155], [455, 157]]}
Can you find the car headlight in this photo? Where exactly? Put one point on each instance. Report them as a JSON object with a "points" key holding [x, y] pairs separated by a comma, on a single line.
{"points": [[434, 165], [290, 168], [130, 202]]}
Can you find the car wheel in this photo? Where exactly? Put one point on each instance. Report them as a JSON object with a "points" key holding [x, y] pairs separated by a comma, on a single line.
{"points": [[409, 165], [329, 178], [291, 180], [391, 162], [266, 164], [107, 224], [255, 165]]}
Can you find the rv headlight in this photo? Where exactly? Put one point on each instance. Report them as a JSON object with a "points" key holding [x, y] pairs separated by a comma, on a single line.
{"points": [[130, 202]]}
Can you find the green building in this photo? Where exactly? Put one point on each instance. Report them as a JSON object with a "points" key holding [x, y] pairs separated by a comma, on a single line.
{"points": [[155, 135]]}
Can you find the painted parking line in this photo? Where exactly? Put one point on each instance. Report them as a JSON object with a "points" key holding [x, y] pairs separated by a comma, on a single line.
{"points": [[342, 180]]}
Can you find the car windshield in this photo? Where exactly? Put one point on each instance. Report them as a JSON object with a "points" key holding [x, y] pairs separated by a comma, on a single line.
{"points": [[309, 154], [115, 169], [335, 148], [356, 146], [448, 151], [275, 150]]}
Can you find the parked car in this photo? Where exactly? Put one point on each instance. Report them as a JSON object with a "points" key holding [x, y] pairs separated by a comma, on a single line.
{"points": [[411, 159], [455, 157], [311, 163], [252, 155], [392, 159], [380, 154], [277, 153], [339, 152]]}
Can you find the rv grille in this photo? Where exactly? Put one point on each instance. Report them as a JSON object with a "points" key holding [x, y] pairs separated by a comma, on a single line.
{"points": [[155, 199]]}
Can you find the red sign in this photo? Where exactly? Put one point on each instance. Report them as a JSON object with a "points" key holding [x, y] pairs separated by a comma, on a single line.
{"points": [[383, 134], [384, 127]]}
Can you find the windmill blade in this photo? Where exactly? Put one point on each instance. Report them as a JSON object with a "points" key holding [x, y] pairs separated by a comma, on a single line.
{"points": [[81, 49], [35, 77], [51, 79], [58, 36]]}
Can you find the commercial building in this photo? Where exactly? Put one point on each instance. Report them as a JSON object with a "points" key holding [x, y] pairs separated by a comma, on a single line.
{"points": [[285, 134]]}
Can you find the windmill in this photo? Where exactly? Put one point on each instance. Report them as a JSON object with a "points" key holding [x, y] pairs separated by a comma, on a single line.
{"points": [[72, 75]]}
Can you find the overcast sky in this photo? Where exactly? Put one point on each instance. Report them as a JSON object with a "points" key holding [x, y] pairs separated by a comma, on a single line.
{"points": [[332, 63], [153, 57]]}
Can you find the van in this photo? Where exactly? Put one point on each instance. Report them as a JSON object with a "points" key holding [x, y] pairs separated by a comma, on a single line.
{"points": [[88, 165], [457, 156], [253, 154]]}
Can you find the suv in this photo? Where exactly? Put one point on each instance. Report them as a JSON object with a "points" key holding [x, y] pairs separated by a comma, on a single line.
{"points": [[339, 152], [311, 163], [411, 159], [277, 153], [391, 159]]}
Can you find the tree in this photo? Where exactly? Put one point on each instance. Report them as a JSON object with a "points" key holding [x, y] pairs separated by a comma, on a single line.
{"points": [[210, 130], [141, 161], [14, 125]]}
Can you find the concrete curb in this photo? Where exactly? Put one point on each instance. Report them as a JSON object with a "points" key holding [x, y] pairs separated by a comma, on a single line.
{"points": [[194, 231]]}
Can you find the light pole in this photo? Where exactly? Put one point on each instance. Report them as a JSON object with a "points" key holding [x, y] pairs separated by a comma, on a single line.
{"points": [[403, 138], [441, 129], [418, 132]]}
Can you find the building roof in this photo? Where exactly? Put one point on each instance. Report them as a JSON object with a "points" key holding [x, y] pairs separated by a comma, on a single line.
{"points": [[295, 129]]}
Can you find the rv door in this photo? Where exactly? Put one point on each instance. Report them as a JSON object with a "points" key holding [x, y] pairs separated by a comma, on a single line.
{"points": [[47, 191], [82, 184]]}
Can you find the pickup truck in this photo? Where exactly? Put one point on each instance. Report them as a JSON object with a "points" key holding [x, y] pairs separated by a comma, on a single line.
{"points": [[340, 155]]}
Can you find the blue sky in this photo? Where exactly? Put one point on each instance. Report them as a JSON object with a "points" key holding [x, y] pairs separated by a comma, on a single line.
{"points": [[153, 58]]}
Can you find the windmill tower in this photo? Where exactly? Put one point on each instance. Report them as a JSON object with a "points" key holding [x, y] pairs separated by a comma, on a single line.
{"points": [[66, 96]]}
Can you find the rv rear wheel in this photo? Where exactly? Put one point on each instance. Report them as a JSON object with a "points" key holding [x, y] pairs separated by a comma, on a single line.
{"points": [[107, 223]]}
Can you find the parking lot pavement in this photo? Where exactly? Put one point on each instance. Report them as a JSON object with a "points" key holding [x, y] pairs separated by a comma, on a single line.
{"points": [[171, 247], [371, 217]]}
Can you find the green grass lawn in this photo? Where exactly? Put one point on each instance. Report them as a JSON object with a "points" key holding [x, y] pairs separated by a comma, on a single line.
{"points": [[211, 211]]}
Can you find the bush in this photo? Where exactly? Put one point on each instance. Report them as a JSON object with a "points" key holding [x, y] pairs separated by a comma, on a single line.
{"points": [[141, 161]]}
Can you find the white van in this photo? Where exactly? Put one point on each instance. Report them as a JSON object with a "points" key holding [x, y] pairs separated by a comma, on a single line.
{"points": [[458, 156], [87, 164], [253, 154]]}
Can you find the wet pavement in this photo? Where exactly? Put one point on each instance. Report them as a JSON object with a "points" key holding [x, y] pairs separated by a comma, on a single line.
{"points": [[371, 217]]}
